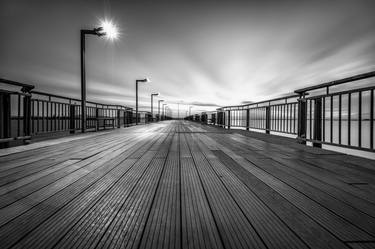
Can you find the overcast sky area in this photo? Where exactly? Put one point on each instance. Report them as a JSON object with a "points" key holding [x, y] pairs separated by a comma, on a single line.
{"points": [[202, 53]]}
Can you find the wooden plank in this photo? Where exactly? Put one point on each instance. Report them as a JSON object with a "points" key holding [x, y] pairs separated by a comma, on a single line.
{"points": [[233, 226], [47, 179], [270, 227], [336, 189], [199, 229], [361, 245], [354, 216], [304, 226], [162, 229], [340, 227], [85, 167], [90, 228], [100, 179]]}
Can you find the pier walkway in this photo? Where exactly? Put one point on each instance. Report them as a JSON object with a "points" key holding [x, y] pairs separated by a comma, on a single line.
{"points": [[180, 184]]}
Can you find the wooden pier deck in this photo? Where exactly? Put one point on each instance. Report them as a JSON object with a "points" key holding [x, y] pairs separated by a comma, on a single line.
{"points": [[179, 184]]}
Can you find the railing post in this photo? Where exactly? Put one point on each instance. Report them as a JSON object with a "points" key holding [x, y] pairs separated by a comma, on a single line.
{"points": [[27, 115], [97, 119], [118, 118], [223, 119], [125, 115], [268, 119], [247, 119], [72, 120], [301, 120], [4, 118], [228, 119], [317, 122]]}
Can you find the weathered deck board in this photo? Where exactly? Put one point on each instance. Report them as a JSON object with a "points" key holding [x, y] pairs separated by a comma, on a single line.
{"points": [[184, 185]]}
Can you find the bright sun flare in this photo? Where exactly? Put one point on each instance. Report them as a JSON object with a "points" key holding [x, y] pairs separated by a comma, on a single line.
{"points": [[109, 29]]}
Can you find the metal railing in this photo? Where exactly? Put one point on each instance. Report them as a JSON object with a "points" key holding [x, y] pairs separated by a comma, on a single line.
{"points": [[27, 113], [338, 113], [339, 117]]}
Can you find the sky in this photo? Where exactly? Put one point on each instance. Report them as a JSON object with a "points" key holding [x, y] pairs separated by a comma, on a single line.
{"points": [[205, 54]]}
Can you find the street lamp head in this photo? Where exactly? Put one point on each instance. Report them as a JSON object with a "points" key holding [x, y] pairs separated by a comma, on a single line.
{"points": [[108, 29], [145, 80], [154, 94]]}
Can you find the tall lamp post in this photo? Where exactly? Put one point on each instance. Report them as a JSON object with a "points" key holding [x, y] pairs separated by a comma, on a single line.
{"points": [[106, 29], [136, 97], [161, 100], [152, 104]]}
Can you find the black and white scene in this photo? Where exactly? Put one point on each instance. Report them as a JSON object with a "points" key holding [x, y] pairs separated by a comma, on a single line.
{"points": [[176, 124]]}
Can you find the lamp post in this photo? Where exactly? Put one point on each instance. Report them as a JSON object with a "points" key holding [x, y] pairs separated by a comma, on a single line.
{"points": [[161, 100], [152, 104], [136, 97], [106, 29], [190, 110]]}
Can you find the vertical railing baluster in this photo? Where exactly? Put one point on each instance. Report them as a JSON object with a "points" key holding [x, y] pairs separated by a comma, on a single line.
{"points": [[268, 119], [247, 119], [331, 120], [118, 118], [72, 119], [47, 116], [317, 122], [302, 119], [55, 104], [372, 119], [360, 119], [229, 119], [340, 103], [38, 116], [32, 116], [310, 118], [349, 117], [5, 118], [287, 118], [27, 115], [18, 115], [295, 118], [278, 118], [324, 118]]}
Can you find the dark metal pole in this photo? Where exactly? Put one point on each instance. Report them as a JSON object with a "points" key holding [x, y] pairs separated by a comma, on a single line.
{"points": [[136, 102], [83, 83], [247, 119], [152, 106], [318, 122], [268, 119], [302, 119]]}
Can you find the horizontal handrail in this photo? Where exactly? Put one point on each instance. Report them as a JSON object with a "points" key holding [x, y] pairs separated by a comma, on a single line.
{"points": [[78, 100], [26, 88], [336, 82], [261, 102]]}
